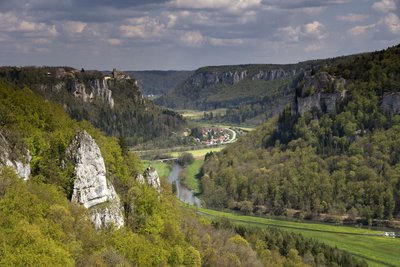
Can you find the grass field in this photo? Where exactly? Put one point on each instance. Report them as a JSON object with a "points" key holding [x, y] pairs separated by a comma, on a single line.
{"points": [[198, 114], [376, 250], [244, 128], [191, 180], [197, 153]]}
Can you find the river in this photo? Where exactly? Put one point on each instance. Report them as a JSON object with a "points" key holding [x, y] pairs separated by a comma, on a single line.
{"points": [[182, 192]]}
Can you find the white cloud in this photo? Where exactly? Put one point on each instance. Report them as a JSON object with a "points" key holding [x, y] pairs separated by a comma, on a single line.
{"points": [[228, 5], [313, 47], [74, 27], [290, 33], [361, 30], [192, 38], [171, 19], [387, 27], [391, 22], [312, 30], [385, 6], [225, 42], [143, 27], [352, 17], [12, 23], [41, 41], [114, 41]]}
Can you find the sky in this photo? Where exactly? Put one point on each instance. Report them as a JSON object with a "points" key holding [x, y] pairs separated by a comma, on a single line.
{"points": [[188, 34]]}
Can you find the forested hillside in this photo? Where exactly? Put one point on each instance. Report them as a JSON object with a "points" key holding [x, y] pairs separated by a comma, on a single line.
{"points": [[112, 102], [333, 152], [250, 93], [40, 226]]}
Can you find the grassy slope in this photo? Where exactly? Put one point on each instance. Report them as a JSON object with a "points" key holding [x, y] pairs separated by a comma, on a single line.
{"points": [[198, 153], [378, 251]]}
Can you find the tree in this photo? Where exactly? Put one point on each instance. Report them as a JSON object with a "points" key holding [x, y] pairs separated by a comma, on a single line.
{"points": [[185, 159]]}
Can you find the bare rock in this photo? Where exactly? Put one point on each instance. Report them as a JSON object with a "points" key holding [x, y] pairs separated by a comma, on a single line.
{"points": [[151, 177], [391, 103], [91, 187], [18, 159]]}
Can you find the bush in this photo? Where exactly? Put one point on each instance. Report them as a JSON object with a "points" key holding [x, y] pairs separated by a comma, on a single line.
{"points": [[185, 159]]}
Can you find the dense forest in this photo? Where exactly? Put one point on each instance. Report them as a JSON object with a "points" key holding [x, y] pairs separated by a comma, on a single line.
{"points": [[114, 105], [342, 164], [40, 226]]}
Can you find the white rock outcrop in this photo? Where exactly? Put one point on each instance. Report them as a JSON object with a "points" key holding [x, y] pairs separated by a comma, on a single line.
{"points": [[96, 89], [391, 103], [91, 187], [20, 164], [151, 177]]}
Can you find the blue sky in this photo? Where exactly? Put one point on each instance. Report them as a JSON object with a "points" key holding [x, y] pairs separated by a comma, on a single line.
{"points": [[187, 34]]}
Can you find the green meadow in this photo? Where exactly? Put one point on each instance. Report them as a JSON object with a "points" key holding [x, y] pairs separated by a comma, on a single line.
{"points": [[376, 250]]}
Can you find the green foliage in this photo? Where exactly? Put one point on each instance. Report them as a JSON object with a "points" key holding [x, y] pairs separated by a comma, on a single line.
{"points": [[341, 164], [39, 226], [185, 159]]}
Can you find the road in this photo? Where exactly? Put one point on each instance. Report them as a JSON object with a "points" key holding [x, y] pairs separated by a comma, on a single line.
{"points": [[233, 139]]}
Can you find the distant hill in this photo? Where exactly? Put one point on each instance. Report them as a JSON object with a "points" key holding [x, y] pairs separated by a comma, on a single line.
{"points": [[263, 88], [333, 152], [111, 102], [158, 82]]}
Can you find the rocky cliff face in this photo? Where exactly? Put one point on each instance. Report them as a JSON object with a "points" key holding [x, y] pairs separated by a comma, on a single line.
{"points": [[391, 103], [206, 79], [96, 89], [110, 101], [84, 87], [17, 158], [320, 91], [151, 177], [274, 74], [91, 187]]}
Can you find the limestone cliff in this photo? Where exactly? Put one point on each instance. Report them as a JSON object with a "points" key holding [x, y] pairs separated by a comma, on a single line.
{"points": [[151, 177], [320, 91], [91, 187], [17, 158], [86, 87], [205, 79], [96, 89], [110, 101], [391, 103]]}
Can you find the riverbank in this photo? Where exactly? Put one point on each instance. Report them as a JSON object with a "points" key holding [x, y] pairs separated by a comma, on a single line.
{"points": [[182, 192]]}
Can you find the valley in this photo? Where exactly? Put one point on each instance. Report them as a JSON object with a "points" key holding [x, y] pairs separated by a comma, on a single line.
{"points": [[272, 172], [186, 133]]}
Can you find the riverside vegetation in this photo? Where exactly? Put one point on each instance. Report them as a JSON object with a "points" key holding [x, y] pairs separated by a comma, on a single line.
{"points": [[40, 226]]}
